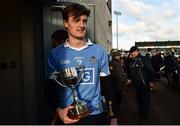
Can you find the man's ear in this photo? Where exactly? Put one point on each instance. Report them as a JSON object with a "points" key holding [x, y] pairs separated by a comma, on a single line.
{"points": [[65, 24]]}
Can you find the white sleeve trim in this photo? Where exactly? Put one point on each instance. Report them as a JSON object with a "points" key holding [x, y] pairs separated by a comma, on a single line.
{"points": [[102, 74]]}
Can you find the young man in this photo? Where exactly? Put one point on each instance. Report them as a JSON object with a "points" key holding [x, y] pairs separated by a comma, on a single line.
{"points": [[77, 50]]}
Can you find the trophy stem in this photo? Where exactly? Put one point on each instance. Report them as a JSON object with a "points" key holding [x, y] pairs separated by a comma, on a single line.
{"points": [[74, 92], [80, 108]]}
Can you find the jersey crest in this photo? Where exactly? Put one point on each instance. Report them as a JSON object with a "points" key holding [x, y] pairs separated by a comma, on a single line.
{"points": [[93, 60]]}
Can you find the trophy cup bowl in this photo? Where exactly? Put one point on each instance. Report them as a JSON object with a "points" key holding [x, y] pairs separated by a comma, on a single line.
{"points": [[70, 77]]}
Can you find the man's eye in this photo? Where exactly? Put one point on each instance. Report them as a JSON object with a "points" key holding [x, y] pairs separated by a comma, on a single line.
{"points": [[85, 21], [76, 20]]}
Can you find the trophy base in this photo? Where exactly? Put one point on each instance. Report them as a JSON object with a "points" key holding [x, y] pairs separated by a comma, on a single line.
{"points": [[81, 115]]}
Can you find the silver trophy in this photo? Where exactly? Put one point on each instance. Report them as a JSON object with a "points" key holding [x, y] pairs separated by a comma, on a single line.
{"points": [[69, 78]]}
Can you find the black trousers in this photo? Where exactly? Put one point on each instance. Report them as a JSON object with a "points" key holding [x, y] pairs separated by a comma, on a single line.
{"points": [[99, 119], [118, 95], [143, 101]]}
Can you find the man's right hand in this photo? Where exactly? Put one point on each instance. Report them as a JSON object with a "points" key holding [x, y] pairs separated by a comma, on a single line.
{"points": [[128, 82], [62, 113]]}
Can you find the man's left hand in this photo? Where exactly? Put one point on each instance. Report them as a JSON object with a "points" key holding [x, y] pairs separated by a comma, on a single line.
{"points": [[151, 85], [114, 121]]}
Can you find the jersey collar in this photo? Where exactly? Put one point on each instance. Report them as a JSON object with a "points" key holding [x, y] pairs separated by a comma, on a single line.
{"points": [[88, 43]]}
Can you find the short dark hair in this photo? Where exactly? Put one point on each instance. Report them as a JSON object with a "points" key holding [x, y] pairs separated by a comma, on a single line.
{"points": [[75, 10], [59, 35], [149, 49], [133, 48]]}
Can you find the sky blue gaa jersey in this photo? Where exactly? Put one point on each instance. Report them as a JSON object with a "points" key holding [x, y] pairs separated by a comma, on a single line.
{"points": [[94, 59]]}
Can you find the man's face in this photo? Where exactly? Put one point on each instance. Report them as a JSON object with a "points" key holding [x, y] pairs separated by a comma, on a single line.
{"points": [[76, 27], [134, 54]]}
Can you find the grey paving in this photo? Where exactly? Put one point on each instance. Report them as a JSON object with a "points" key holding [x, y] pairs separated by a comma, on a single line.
{"points": [[164, 108]]}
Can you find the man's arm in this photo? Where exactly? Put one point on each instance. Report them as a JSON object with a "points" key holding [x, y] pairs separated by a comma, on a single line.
{"points": [[107, 92], [52, 97], [53, 101]]}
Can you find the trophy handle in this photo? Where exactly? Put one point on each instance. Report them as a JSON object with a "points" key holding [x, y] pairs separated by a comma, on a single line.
{"points": [[81, 67], [54, 77]]}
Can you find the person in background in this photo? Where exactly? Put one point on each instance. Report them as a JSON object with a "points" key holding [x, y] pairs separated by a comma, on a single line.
{"points": [[178, 77], [58, 37], [170, 69], [175, 73], [127, 61], [142, 76], [148, 54], [117, 76], [157, 62], [78, 50]]}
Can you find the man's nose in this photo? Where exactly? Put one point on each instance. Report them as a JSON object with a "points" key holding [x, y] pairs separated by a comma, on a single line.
{"points": [[82, 24]]}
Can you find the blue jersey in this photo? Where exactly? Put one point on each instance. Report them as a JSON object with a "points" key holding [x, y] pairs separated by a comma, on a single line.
{"points": [[95, 61]]}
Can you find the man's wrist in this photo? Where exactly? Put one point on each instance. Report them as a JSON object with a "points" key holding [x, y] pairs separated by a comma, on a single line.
{"points": [[58, 109], [114, 121]]}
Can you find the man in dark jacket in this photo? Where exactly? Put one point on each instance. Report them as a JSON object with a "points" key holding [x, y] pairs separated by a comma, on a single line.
{"points": [[142, 76], [171, 69]]}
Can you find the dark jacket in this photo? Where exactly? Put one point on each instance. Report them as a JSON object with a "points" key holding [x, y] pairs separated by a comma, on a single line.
{"points": [[170, 64], [156, 62], [117, 76], [141, 71]]}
